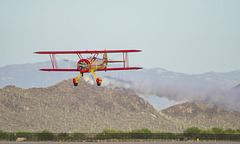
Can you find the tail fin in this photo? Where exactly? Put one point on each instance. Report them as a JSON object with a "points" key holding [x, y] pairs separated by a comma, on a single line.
{"points": [[105, 57]]}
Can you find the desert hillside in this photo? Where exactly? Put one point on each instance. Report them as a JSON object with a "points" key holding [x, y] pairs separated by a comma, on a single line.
{"points": [[203, 115], [86, 108]]}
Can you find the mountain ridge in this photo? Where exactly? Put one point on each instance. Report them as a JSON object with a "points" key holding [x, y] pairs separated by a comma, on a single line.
{"points": [[88, 108], [17, 74], [202, 115]]}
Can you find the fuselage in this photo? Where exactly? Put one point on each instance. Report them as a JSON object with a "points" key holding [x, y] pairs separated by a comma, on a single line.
{"points": [[96, 63]]}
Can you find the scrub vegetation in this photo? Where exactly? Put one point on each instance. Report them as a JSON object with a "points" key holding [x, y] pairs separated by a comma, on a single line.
{"points": [[191, 133]]}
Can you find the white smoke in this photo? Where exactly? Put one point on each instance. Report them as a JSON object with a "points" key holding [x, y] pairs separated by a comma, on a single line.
{"points": [[178, 88]]}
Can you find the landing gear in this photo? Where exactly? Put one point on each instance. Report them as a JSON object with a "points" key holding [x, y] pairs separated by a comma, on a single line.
{"points": [[99, 81], [75, 81]]}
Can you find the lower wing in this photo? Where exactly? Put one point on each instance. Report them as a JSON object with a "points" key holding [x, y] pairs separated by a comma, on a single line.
{"points": [[126, 68], [58, 69]]}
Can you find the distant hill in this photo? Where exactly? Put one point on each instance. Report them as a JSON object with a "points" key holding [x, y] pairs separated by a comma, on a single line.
{"points": [[28, 75], [212, 88], [86, 108], [203, 115]]}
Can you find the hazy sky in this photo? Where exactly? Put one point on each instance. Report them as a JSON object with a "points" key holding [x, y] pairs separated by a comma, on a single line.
{"points": [[190, 36]]}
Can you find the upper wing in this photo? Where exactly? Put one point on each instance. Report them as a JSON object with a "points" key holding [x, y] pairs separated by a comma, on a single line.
{"points": [[72, 52], [105, 69]]}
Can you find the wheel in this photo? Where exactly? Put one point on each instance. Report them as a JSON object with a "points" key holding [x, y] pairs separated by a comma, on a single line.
{"points": [[75, 81], [75, 84], [99, 81]]}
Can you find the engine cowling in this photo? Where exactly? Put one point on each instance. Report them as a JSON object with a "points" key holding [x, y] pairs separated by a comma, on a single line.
{"points": [[83, 65]]}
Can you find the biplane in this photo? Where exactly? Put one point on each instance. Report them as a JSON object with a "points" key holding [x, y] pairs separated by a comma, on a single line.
{"points": [[91, 64]]}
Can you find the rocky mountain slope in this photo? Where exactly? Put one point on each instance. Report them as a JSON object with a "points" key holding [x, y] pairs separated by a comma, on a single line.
{"points": [[86, 108], [203, 116]]}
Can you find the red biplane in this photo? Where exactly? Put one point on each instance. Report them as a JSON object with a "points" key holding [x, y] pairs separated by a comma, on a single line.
{"points": [[92, 63]]}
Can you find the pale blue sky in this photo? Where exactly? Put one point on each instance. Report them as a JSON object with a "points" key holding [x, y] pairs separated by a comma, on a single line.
{"points": [[190, 36]]}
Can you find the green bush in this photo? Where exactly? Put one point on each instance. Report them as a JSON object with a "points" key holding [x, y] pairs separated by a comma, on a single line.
{"points": [[112, 131], [217, 130], [192, 130], [45, 136], [3, 135], [78, 136], [143, 133]]}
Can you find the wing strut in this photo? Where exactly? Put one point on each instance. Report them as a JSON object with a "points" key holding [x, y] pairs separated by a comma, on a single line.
{"points": [[53, 61], [125, 60], [80, 56]]}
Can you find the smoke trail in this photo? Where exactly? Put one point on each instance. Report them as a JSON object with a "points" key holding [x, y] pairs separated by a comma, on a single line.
{"points": [[211, 88]]}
